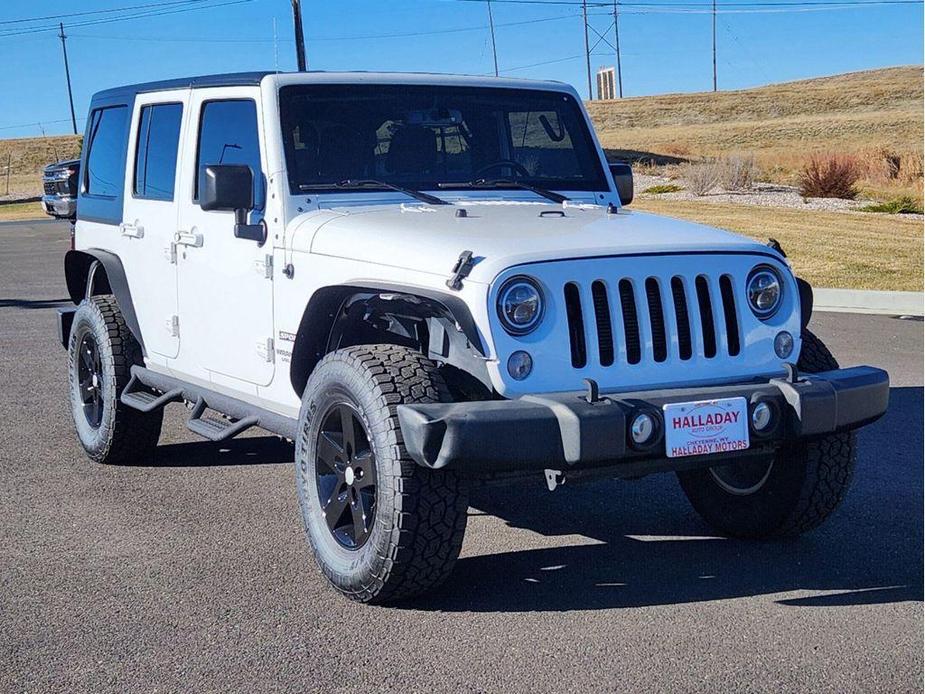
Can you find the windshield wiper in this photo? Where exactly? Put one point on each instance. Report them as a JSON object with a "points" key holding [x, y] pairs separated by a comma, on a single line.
{"points": [[506, 182], [373, 183]]}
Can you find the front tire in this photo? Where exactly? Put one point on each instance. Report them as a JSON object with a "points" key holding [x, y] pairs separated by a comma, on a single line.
{"points": [[381, 527], [786, 495], [101, 352]]}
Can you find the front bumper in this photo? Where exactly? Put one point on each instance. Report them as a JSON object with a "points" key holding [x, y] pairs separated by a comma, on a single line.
{"points": [[59, 206], [565, 431]]}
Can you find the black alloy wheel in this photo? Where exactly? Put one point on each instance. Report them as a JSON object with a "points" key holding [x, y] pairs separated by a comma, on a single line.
{"points": [[90, 380], [345, 473]]}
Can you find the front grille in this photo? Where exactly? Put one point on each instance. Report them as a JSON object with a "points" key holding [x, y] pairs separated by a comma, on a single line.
{"points": [[652, 319], [51, 188]]}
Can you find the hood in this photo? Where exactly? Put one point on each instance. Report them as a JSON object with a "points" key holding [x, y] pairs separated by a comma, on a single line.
{"points": [[499, 234]]}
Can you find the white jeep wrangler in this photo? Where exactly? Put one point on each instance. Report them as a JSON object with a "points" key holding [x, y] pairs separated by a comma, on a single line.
{"points": [[427, 281]]}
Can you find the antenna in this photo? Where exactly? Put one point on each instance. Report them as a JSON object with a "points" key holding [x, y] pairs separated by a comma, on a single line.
{"points": [[299, 36]]}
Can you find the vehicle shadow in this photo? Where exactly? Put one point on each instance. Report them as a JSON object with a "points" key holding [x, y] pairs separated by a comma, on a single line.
{"points": [[34, 303], [252, 450], [632, 544]]}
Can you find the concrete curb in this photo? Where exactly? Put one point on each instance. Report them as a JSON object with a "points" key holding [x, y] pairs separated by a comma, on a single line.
{"points": [[869, 301]]}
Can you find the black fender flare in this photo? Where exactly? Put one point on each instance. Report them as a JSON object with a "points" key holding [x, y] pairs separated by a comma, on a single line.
{"points": [[81, 272], [320, 313], [806, 301]]}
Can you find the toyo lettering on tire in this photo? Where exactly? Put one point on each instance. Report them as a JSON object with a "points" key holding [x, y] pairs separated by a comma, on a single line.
{"points": [[784, 495]]}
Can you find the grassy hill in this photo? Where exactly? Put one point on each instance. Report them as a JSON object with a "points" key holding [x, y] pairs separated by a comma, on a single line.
{"points": [[28, 156], [869, 114]]}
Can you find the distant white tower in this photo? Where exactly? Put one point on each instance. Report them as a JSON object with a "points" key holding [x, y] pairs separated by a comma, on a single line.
{"points": [[606, 81]]}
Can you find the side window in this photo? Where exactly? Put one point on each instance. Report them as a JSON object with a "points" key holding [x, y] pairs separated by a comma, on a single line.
{"points": [[156, 151], [228, 135], [105, 158]]}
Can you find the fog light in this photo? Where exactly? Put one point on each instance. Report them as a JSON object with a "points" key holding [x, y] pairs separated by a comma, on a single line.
{"points": [[519, 365], [783, 344], [642, 429], [761, 416]]}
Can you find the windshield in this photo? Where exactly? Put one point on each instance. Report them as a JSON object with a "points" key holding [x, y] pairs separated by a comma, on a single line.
{"points": [[430, 137]]}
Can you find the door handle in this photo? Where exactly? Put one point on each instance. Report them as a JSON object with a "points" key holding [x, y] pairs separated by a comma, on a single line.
{"points": [[132, 231], [189, 238]]}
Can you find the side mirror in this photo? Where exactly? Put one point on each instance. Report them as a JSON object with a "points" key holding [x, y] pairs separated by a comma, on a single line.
{"points": [[623, 178], [230, 187]]}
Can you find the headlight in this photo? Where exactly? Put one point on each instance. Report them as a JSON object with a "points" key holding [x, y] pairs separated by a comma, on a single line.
{"points": [[520, 305], [765, 291]]}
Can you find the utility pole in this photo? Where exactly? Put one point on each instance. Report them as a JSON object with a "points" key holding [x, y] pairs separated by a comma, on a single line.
{"points": [[491, 24], [584, 15], [299, 36], [714, 45], [67, 73], [616, 37]]}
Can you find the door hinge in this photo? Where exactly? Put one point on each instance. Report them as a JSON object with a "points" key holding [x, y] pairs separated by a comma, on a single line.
{"points": [[264, 267], [170, 253], [265, 349], [173, 326]]}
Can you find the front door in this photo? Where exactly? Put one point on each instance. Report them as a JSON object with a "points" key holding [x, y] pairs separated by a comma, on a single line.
{"points": [[150, 217], [226, 285]]}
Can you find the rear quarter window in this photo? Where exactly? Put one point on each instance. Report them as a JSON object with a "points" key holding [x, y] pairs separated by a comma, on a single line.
{"points": [[105, 169]]}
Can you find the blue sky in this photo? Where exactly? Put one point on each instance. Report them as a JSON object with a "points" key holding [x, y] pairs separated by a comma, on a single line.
{"points": [[662, 52]]}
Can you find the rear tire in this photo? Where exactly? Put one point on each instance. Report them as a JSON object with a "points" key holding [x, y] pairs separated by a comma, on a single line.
{"points": [[382, 528], [795, 491], [101, 352]]}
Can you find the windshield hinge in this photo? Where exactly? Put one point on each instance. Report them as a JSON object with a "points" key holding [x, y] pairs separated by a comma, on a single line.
{"points": [[461, 270]]}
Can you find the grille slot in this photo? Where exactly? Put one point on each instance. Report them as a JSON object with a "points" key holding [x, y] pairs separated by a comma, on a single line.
{"points": [[630, 321], [729, 314], [657, 320], [576, 326], [706, 316], [682, 318], [604, 325]]}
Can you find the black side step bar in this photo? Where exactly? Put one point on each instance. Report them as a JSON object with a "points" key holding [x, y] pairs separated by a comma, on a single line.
{"points": [[243, 415], [136, 396], [216, 429]]}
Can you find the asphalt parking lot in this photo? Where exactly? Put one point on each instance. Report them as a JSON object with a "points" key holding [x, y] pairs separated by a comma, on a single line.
{"points": [[193, 574]]}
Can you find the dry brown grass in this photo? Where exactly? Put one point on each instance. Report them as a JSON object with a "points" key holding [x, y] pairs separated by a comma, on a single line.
{"points": [[21, 211], [862, 114], [830, 249]]}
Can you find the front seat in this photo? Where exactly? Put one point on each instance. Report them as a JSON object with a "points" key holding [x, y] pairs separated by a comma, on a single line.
{"points": [[412, 150]]}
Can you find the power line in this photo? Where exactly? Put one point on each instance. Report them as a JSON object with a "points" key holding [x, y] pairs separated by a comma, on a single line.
{"points": [[112, 20], [89, 12], [655, 5]]}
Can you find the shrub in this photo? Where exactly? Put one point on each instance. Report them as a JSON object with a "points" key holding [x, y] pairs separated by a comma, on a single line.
{"points": [[911, 166], [901, 205], [701, 178], [830, 176], [663, 188], [739, 172]]}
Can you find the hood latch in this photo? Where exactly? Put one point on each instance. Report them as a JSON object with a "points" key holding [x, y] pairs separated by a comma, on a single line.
{"points": [[460, 271]]}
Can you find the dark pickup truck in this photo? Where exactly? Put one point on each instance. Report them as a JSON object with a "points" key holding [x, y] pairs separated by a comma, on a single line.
{"points": [[59, 189]]}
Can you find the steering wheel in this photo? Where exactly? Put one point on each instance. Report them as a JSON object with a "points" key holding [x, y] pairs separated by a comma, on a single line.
{"points": [[518, 168]]}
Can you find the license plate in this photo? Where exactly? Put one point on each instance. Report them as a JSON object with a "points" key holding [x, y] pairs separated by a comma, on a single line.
{"points": [[708, 426]]}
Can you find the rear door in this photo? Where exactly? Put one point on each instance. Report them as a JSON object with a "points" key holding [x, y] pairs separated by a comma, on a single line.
{"points": [[226, 285], [150, 213]]}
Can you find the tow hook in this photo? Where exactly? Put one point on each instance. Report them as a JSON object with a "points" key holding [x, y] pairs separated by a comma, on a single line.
{"points": [[594, 392], [554, 478]]}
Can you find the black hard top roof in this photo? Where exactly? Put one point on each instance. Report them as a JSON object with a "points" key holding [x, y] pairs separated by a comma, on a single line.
{"points": [[230, 79]]}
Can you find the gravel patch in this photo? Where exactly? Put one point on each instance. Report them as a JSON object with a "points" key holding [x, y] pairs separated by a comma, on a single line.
{"points": [[763, 195]]}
